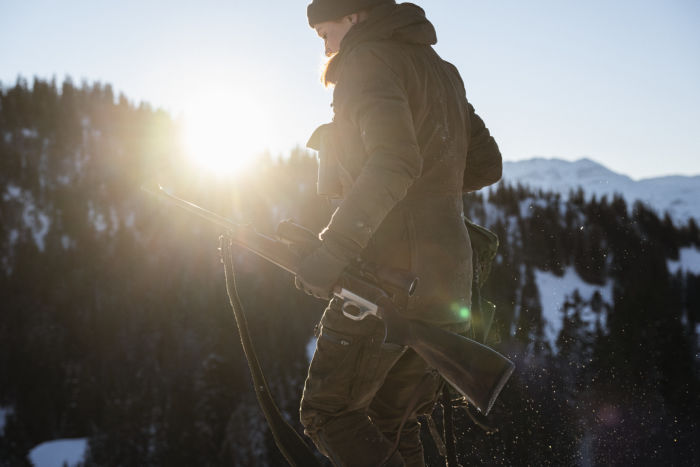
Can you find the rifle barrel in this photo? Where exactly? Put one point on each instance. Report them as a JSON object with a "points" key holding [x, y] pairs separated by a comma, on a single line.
{"points": [[200, 211], [246, 236]]}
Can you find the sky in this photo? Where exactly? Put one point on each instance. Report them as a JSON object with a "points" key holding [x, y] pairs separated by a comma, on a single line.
{"points": [[616, 82]]}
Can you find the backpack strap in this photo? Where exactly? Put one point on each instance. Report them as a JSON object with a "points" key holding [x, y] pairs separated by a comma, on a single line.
{"points": [[484, 245]]}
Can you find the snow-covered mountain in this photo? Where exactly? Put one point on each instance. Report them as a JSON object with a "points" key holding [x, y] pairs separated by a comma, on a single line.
{"points": [[679, 195]]}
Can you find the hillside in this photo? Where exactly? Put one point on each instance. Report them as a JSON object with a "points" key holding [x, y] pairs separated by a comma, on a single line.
{"points": [[115, 325]]}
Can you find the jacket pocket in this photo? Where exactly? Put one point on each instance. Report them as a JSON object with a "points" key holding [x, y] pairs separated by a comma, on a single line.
{"points": [[333, 369], [333, 349]]}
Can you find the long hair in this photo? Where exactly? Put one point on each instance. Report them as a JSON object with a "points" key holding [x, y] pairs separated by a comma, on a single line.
{"points": [[328, 71], [327, 77]]}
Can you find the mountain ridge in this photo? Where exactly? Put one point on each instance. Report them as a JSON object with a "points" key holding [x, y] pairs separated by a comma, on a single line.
{"points": [[672, 194]]}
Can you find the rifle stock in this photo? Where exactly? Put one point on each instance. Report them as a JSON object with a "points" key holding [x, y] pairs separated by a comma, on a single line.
{"points": [[474, 370]]}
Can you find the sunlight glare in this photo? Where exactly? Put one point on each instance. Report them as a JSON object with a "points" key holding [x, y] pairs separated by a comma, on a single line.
{"points": [[223, 131]]}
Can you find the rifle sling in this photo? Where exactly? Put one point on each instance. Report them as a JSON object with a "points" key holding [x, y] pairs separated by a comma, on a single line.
{"points": [[437, 438], [449, 428], [289, 442]]}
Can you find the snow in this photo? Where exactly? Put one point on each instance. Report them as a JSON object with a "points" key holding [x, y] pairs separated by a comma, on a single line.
{"points": [[58, 453], [310, 348], [688, 260], [13, 237], [40, 229], [100, 223], [37, 221], [34, 219], [555, 291], [30, 133], [562, 176], [676, 195], [97, 218], [4, 413], [13, 192]]}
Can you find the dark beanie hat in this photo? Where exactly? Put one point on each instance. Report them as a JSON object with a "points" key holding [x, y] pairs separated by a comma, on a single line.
{"points": [[319, 11]]}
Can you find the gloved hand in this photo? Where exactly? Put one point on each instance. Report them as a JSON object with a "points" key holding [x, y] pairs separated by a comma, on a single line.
{"points": [[320, 271]]}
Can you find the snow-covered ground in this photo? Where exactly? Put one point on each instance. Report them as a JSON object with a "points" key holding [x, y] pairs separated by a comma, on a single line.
{"points": [[59, 453], [688, 261], [555, 291]]}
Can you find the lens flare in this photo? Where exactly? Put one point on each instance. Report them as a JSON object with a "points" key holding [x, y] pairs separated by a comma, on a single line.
{"points": [[223, 130], [462, 311]]}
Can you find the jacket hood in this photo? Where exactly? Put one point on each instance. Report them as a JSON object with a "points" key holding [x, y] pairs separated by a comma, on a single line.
{"points": [[404, 22]]}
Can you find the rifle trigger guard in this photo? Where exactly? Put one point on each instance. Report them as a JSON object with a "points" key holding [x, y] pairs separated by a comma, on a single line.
{"points": [[355, 307]]}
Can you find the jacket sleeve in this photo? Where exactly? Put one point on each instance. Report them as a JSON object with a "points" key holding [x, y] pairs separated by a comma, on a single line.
{"points": [[371, 95], [484, 163]]}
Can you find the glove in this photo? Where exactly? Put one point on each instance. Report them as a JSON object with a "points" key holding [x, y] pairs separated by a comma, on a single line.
{"points": [[320, 271]]}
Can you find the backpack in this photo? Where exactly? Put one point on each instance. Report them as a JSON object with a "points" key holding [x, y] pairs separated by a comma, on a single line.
{"points": [[484, 248]]}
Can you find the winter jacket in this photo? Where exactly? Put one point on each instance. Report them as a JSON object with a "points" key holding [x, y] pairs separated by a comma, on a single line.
{"points": [[402, 135]]}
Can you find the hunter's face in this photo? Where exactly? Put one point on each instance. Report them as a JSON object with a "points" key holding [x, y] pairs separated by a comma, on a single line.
{"points": [[332, 32]]}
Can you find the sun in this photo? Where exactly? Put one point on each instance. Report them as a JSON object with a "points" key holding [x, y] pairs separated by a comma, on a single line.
{"points": [[223, 130]]}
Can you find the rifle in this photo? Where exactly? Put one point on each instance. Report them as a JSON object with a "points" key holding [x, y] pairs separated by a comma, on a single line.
{"points": [[473, 369]]}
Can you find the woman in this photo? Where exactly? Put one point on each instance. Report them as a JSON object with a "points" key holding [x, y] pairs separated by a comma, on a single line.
{"points": [[402, 135]]}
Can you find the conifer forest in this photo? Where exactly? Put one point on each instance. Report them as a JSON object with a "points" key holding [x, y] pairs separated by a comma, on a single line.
{"points": [[115, 325]]}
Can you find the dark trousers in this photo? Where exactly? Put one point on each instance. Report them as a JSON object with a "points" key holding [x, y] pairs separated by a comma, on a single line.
{"points": [[357, 391]]}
